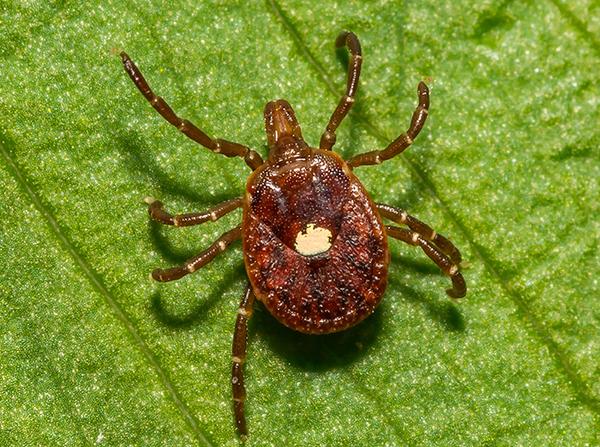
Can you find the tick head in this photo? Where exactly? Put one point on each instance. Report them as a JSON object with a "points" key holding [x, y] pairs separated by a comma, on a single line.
{"points": [[283, 132]]}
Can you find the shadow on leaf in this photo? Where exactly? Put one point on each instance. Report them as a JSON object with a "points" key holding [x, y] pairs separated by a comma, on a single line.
{"points": [[199, 312], [445, 313], [169, 252], [421, 266], [316, 352], [140, 163]]}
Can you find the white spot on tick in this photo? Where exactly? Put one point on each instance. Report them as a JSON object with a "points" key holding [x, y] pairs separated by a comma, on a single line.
{"points": [[313, 240]]}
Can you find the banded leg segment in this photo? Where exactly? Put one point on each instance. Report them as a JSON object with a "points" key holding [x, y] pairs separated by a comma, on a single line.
{"points": [[404, 140], [402, 217], [238, 351], [351, 41], [158, 213], [199, 261], [459, 287], [227, 148]]}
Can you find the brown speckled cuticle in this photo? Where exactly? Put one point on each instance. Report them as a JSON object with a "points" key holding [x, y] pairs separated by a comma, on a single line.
{"points": [[327, 292]]}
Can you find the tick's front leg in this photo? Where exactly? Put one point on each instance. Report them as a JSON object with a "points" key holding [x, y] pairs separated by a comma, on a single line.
{"points": [[227, 148], [350, 40], [404, 140]]}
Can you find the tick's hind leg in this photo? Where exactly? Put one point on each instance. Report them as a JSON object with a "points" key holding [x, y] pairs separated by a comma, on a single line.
{"points": [[186, 127], [402, 217], [459, 287], [238, 351], [198, 261], [351, 41], [404, 140], [158, 213]]}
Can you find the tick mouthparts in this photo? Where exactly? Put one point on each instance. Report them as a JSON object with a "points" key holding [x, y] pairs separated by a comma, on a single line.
{"points": [[281, 122]]}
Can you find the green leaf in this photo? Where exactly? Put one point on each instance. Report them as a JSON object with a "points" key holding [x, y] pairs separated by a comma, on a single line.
{"points": [[93, 352]]}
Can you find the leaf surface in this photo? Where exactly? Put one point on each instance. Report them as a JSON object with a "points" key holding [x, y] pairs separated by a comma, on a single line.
{"points": [[507, 167]]}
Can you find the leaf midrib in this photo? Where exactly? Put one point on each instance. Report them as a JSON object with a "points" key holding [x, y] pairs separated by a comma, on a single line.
{"points": [[6, 150]]}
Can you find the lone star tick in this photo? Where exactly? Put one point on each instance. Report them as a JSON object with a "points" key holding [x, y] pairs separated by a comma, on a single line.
{"points": [[315, 247]]}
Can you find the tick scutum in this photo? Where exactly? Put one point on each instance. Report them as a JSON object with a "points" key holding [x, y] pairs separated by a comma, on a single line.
{"points": [[314, 193]]}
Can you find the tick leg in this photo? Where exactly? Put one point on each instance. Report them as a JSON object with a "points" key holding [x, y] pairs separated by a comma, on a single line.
{"points": [[351, 41], [238, 351], [158, 213], [198, 261], [224, 147], [402, 217], [404, 140], [459, 287]]}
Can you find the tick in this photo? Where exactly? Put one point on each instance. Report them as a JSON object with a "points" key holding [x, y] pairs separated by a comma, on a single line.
{"points": [[314, 243]]}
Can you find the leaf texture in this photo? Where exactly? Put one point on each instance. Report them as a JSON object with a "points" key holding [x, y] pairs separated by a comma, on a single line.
{"points": [[507, 167]]}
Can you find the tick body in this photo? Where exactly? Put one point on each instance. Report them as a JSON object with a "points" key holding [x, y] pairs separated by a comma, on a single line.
{"points": [[337, 280], [315, 245]]}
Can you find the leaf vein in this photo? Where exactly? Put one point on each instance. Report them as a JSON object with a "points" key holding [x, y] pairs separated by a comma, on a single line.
{"points": [[496, 437], [578, 24], [98, 284]]}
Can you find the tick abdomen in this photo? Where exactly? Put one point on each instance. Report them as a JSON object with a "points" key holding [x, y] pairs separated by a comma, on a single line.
{"points": [[315, 248]]}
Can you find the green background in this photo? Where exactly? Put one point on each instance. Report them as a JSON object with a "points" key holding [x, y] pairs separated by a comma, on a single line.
{"points": [[507, 166]]}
